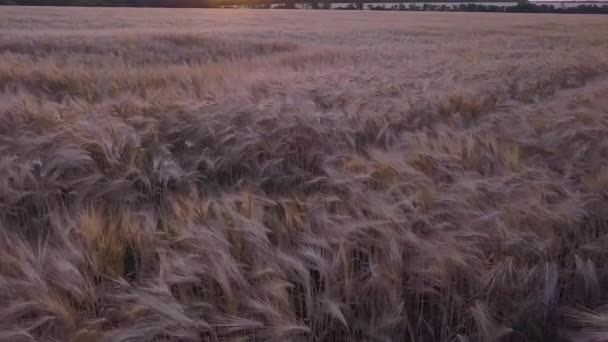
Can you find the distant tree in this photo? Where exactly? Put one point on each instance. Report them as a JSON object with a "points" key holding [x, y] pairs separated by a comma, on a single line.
{"points": [[524, 6]]}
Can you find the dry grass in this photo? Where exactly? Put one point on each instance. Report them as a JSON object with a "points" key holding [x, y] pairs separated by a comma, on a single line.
{"points": [[192, 175]]}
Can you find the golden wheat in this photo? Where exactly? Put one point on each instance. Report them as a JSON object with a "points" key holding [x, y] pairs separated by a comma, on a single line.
{"points": [[228, 175]]}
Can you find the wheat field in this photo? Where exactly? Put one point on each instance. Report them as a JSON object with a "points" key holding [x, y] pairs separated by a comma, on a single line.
{"points": [[267, 175]]}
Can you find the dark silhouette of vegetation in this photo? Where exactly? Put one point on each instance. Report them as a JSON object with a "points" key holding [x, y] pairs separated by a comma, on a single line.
{"points": [[522, 6]]}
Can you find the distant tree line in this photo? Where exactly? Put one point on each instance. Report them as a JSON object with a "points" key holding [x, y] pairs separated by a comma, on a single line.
{"points": [[520, 7], [523, 6]]}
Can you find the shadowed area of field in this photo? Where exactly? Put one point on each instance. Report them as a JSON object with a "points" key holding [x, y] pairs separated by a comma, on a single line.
{"points": [[228, 175]]}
